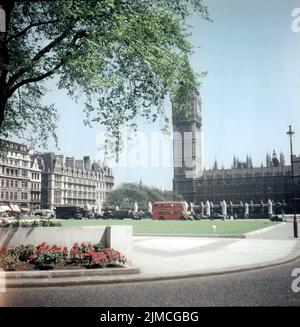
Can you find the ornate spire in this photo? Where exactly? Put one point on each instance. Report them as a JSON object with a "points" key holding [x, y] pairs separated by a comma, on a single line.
{"points": [[215, 167], [234, 163], [275, 161], [282, 159], [268, 160]]}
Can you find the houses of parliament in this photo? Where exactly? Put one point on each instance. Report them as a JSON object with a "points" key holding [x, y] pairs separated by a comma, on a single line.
{"points": [[239, 184]]}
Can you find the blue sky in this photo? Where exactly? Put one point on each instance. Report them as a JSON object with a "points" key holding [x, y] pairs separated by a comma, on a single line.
{"points": [[250, 95]]}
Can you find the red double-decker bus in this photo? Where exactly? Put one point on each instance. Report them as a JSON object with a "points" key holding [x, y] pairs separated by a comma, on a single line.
{"points": [[169, 211]]}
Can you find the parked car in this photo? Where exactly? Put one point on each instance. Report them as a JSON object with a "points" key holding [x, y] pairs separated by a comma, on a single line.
{"points": [[46, 213], [196, 216], [69, 212], [90, 215], [146, 215], [107, 214], [118, 214], [276, 218], [217, 215]]}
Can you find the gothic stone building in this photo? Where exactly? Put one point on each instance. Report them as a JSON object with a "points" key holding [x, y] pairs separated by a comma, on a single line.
{"points": [[242, 182]]}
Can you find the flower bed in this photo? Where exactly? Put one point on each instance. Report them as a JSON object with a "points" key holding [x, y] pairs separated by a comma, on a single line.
{"points": [[45, 257], [5, 223]]}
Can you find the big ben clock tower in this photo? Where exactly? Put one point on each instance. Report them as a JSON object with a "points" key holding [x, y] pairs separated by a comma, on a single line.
{"points": [[187, 147]]}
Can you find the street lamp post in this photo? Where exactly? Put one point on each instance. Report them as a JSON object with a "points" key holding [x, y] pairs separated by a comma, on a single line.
{"points": [[291, 133]]}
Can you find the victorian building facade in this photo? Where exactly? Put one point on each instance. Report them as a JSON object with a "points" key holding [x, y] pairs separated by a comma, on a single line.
{"points": [[31, 180], [20, 178], [70, 182]]}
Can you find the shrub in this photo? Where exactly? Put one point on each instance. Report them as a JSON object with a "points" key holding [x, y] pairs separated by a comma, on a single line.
{"points": [[79, 253], [25, 252], [4, 223], [46, 256], [54, 224], [98, 247], [94, 256], [65, 254], [114, 257], [8, 259], [35, 223], [96, 259]]}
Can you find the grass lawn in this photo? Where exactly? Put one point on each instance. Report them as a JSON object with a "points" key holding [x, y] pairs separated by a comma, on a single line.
{"points": [[177, 227]]}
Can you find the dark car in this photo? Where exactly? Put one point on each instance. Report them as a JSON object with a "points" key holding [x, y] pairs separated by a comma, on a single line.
{"points": [[107, 214], [146, 215], [196, 216], [276, 218], [217, 216], [122, 214], [117, 214], [70, 212]]}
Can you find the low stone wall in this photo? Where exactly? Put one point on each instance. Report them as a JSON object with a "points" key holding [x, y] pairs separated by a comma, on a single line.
{"points": [[116, 237]]}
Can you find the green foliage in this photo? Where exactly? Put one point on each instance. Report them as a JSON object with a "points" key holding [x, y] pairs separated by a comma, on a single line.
{"points": [[8, 259], [24, 252], [124, 57], [28, 223], [129, 193], [94, 256], [46, 256]]}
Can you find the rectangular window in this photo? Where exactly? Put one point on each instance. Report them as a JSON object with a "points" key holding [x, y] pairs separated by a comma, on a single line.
{"points": [[24, 196]]}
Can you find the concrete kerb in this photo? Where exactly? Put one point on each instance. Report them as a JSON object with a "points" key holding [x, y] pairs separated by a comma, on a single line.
{"points": [[263, 230], [63, 277], [194, 235]]}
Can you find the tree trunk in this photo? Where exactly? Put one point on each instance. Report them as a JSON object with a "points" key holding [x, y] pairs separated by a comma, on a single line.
{"points": [[3, 102], [7, 6], [3, 75]]}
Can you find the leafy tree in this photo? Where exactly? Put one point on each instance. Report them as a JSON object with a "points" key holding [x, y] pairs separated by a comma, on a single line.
{"points": [[128, 193], [123, 56]]}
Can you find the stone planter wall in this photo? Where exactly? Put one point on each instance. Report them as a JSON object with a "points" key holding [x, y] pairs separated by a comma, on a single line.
{"points": [[116, 237]]}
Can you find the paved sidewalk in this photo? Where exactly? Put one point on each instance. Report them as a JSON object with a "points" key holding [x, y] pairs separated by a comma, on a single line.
{"points": [[183, 255]]}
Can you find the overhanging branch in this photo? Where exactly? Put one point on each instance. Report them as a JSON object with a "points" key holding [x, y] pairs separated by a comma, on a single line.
{"points": [[38, 56], [38, 78], [26, 29]]}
